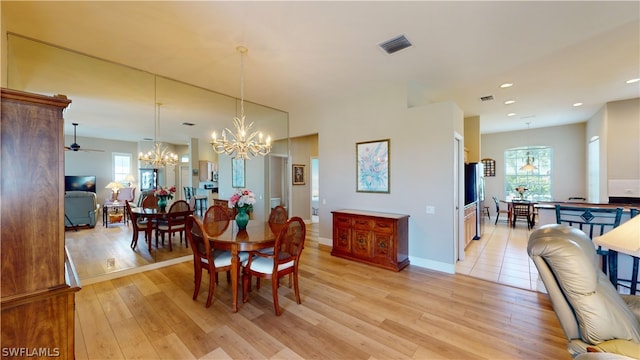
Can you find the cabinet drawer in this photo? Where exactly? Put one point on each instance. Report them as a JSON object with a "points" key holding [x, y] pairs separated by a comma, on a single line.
{"points": [[384, 226], [341, 221], [361, 223]]}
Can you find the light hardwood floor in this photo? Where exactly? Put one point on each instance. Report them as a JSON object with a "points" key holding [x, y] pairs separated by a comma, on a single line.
{"points": [[348, 311]]}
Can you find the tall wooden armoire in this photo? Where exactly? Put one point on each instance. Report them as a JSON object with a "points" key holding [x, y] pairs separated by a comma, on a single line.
{"points": [[38, 281]]}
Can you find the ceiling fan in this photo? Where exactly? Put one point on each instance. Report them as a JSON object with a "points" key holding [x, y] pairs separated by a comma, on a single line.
{"points": [[75, 146]]}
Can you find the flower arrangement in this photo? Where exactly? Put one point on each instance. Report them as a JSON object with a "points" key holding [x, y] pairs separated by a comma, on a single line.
{"points": [[243, 199], [521, 189], [168, 192]]}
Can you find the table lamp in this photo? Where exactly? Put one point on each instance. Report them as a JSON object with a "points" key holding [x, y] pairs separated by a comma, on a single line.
{"points": [[114, 186], [130, 179]]}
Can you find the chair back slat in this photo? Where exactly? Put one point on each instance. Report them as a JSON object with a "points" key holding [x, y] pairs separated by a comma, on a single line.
{"points": [[201, 248], [216, 220], [150, 202], [592, 221], [290, 241], [277, 218]]}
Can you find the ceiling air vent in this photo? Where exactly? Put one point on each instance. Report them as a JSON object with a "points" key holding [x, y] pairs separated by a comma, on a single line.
{"points": [[188, 124], [396, 44], [487, 98]]}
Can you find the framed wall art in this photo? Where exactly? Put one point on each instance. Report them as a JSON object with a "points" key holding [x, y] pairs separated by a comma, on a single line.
{"points": [[298, 174], [237, 173], [372, 166]]}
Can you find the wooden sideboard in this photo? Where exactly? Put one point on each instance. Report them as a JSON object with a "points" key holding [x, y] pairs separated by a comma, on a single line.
{"points": [[38, 281], [378, 239]]}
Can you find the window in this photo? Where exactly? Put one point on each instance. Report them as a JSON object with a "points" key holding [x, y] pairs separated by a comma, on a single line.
{"points": [[537, 181], [121, 167]]}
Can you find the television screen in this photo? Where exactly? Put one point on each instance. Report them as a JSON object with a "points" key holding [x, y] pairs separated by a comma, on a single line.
{"points": [[80, 183]]}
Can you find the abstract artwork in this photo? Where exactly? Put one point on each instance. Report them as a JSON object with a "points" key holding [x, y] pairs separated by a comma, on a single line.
{"points": [[237, 173], [372, 166]]}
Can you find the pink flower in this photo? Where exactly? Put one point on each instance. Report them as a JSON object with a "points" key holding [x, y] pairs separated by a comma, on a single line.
{"points": [[243, 198]]}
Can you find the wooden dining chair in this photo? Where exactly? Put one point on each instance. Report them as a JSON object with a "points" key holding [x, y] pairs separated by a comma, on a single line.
{"points": [[150, 202], [592, 221], [139, 225], [216, 221], [500, 211], [174, 222], [277, 218], [284, 260], [206, 258], [521, 210]]}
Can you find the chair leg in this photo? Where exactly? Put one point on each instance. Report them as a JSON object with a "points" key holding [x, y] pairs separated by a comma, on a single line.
{"points": [[295, 286], [497, 217], [134, 241], [275, 280], [212, 287], [198, 278]]}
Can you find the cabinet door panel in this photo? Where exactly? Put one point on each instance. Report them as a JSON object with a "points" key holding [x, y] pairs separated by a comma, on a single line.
{"points": [[383, 246], [342, 241], [361, 245]]}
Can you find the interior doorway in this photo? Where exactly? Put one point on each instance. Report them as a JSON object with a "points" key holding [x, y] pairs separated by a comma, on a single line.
{"points": [[315, 190]]}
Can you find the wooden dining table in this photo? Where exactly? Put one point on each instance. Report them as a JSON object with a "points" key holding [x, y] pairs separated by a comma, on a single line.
{"points": [[257, 236]]}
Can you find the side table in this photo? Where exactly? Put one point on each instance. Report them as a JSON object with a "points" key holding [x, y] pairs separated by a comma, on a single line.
{"points": [[114, 213]]}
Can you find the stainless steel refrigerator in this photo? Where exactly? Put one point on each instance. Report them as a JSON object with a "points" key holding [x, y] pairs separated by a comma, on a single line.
{"points": [[474, 192]]}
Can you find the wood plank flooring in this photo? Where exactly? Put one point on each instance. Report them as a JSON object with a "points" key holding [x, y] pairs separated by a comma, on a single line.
{"points": [[348, 311]]}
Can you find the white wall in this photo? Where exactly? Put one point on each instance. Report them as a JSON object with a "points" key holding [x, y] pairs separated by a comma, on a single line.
{"points": [[421, 164], [98, 163], [569, 158]]}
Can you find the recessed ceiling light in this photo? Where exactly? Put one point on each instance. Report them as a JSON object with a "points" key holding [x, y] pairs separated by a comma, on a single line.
{"points": [[511, 114], [509, 102], [506, 85], [577, 104], [633, 81]]}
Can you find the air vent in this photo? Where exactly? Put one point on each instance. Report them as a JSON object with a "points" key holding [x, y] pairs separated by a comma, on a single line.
{"points": [[396, 44], [188, 124], [487, 98], [147, 139]]}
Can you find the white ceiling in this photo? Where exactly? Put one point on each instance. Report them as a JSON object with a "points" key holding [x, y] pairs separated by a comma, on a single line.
{"points": [[555, 53]]}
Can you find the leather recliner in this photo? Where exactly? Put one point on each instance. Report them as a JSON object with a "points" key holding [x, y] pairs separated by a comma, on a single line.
{"points": [[80, 208], [590, 310]]}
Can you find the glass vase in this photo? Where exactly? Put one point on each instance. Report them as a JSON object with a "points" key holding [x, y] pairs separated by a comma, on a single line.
{"points": [[162, 203], [242, 218]]}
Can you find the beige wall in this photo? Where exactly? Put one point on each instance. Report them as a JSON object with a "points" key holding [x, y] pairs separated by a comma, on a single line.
{"points": [[421, 163], [569, 157], [302, 149], [623, 133]]}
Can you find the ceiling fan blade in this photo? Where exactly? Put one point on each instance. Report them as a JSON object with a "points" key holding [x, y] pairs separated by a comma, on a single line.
{"points": [[75, 146]]}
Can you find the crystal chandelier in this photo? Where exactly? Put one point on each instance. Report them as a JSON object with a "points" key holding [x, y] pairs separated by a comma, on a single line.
{"points": [[159, 156], [243, 142]]}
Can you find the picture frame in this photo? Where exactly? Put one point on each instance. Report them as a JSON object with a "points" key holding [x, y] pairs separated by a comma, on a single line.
{"points": [[372, 166], [299, 174], [237, 173]]}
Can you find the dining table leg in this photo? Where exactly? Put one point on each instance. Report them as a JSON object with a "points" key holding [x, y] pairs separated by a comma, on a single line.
{"points": [[235, 269]]}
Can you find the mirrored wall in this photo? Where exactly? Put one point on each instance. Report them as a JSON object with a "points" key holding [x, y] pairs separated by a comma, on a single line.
{"points": [[118, 103]]}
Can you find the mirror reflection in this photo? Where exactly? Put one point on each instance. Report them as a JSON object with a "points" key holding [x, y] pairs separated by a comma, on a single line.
{"points": [[114, 107]]}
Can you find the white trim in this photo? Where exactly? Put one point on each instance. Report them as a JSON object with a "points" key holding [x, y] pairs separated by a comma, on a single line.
{"points": [[433, 265]]}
